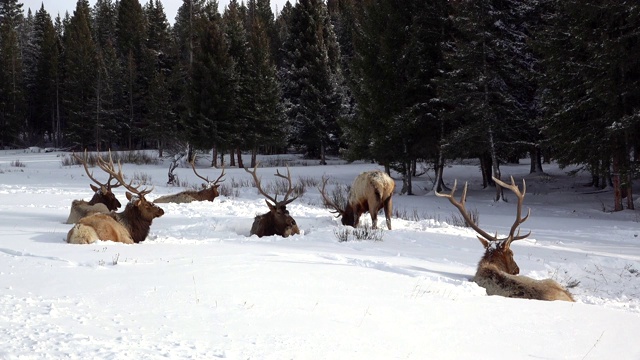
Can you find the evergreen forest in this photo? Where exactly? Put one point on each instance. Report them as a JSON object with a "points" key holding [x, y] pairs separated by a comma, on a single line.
{"points": [[402, 83]]}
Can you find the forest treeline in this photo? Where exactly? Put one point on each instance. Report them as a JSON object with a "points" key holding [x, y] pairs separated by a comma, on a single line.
{"points": [[398, 82]]}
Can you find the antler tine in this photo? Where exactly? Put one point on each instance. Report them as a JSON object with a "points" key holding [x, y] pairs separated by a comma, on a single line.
{"points": [[258, 184], [460, 205], [327, 201], [86, 169], [110, 169], [219, 177], [290, 190], [519, 219], [193, 166]]}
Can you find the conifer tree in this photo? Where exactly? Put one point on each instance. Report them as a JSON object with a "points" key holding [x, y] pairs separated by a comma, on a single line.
{"points": [[310, 76], [12, 98]]}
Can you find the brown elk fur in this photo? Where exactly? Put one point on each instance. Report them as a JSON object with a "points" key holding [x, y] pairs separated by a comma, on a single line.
{"points": [[277, 221], [497, 270], [129, 226], [209, 193], [371, 191], [103, 200]]}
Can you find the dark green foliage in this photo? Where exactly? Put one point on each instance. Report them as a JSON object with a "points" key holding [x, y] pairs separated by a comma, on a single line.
{"points": [[310, 76]]}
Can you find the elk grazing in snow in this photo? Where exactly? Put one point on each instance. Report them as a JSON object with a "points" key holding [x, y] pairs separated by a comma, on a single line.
{"points": [[129, 226], [497, 271], [103, 200], [209, 193], [277, 221], [370, 191]]}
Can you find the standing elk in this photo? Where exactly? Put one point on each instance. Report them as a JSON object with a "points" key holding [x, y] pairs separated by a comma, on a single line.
{"points": [[129, 226], [370, 191], [277, 221], [209, 193], [103, 200], [497, 270]]}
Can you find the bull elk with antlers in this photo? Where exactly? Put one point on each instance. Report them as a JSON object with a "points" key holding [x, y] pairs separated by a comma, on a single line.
{"points": [[129, 226], [103, 200], [277, 221], [371, 191], [209, 193], [497, 271]]}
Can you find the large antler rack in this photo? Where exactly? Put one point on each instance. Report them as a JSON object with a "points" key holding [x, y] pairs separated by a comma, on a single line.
{"points": [[209, 182], [460, 205], [274, 200], [519, 219], [110, 169], [84, 161], [328, 202]]}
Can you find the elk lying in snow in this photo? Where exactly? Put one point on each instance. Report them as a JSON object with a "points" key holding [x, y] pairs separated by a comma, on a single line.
{"points": [[209, 193], [277, 221], [497, 270], [103, 200], [129, 226], [370, 191]]}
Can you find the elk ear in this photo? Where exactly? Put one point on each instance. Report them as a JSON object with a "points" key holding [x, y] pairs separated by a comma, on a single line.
{"points": [[129, 195], [271, 207], [94, 188], [484, 242]]}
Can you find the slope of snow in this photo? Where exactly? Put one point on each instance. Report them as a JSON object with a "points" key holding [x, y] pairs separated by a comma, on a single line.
{"points": [[201, 288]]}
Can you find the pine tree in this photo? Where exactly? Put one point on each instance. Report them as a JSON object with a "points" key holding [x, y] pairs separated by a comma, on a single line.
{"points": [[490, 65], [79, 82], [263, 111], [46, 72], [591, 97], [12, 100], [311, 75]]}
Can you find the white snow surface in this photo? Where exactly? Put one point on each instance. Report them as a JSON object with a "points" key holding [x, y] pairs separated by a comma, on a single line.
{"points": [[200, 287]]}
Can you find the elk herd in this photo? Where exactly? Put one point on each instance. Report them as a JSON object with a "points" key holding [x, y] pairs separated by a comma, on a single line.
{"points": [[371, 191]]}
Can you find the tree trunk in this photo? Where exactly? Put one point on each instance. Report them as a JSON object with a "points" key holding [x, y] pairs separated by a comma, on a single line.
{"points": [[617, 191], [254, 157], [214, 157], [536, 160], [240, 163], [494, 164], [323, 159], [232, 158]]}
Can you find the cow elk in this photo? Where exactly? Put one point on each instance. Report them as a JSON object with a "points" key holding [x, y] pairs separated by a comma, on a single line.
{"points": [[208, 193], [129, 226], [277, 221], [497, 270], [371, 191], [103, 200]]}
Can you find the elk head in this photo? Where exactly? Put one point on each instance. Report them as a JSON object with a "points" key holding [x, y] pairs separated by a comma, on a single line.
{"points": [[277, 221], [497, 250], [102, 192], [139, 213], [371, 191], [210, 190], [497, 270]]}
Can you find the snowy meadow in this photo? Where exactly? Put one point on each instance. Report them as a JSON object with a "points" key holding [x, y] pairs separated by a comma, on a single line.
{"points": [[200, 287]]}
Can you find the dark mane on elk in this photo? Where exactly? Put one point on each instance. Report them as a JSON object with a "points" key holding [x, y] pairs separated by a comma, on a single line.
{"points": [[129, 226], [277, 221], [497, 270], [371, 191], [103, 200], [209, 193]]}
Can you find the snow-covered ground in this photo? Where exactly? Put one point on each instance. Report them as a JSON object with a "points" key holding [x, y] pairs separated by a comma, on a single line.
{"points": [[201, 288]]}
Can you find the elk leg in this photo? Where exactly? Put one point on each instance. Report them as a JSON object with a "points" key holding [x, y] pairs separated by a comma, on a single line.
{"points": [[388, 206]]}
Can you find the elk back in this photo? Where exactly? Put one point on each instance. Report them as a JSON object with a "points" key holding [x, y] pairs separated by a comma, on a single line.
{"points": [[81, 208], [498, 282], [98, 227]]}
